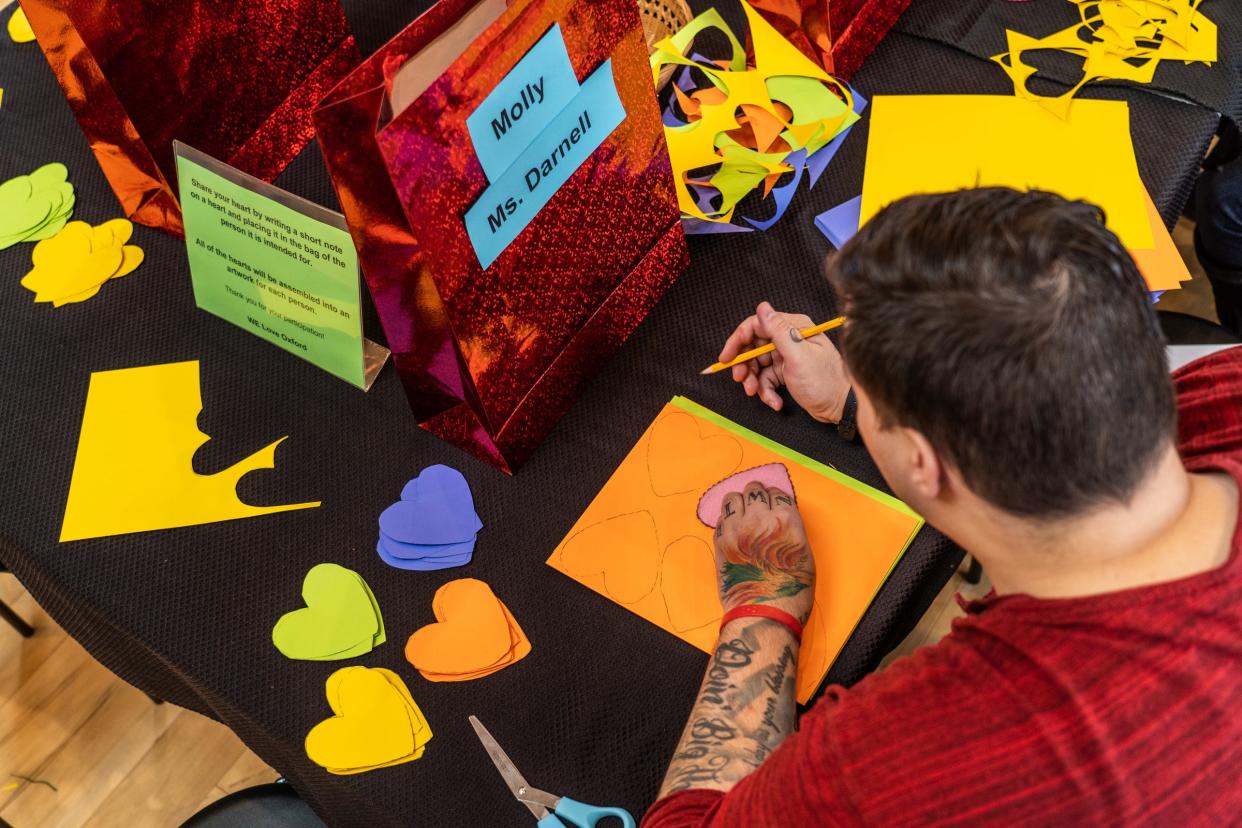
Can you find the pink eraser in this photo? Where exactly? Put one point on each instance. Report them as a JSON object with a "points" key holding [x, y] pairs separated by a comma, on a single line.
{"points": [[772, 476]]}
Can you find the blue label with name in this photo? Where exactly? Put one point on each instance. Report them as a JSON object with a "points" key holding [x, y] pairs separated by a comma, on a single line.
{"points": [[517, 196], [516, 111]]}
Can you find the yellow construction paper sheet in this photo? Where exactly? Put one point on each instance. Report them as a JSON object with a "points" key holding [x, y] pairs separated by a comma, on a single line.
{"points": [[640, 542], [942, 143], [134, 466]]}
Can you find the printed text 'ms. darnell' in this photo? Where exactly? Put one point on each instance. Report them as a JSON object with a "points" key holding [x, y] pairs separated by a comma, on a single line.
{"points": [[535, 175]]}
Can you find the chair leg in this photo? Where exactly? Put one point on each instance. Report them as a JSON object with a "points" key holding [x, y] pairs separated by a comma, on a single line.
{"points": [[973, 572], [15, 621]]}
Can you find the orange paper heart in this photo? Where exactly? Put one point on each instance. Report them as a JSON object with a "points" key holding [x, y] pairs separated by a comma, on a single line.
{"points": [[688, 573], [591, 552], [474, 634], [680, 459]]}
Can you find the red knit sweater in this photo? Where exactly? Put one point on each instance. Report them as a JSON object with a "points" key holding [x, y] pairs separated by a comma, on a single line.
{"points": [[1121, 708]]}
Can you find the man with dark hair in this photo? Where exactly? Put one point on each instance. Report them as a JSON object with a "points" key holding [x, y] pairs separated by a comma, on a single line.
{"points": [[1011, 384]]}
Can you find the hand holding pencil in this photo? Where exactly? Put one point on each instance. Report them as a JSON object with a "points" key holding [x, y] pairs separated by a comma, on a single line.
{"points": [[809, 366]]}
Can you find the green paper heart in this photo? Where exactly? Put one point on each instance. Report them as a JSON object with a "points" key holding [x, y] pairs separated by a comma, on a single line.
{"points": [[341, 618]]}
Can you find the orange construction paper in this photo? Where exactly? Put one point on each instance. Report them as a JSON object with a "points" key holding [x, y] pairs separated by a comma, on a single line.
{"points": [[474, 634], [641, 544], [1162, 266]]}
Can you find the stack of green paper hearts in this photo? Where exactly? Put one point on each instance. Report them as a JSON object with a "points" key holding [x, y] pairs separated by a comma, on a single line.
{"points": [[340, 620], [35, 206]]}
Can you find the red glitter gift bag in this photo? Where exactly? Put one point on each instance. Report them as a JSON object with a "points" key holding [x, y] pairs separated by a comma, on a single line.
{"points": [[236, 79], [836, 34], [493, 347]]}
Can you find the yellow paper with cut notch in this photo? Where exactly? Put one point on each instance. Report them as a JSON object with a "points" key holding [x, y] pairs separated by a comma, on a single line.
{"points": [[134, 467], [942, 143]]}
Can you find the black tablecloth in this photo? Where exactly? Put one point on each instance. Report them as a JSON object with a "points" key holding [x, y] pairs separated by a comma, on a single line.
{"points": [[187, 614]]}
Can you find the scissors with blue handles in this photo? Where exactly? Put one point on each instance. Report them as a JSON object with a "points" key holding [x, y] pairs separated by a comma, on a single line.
{"points": [[551, 810]]}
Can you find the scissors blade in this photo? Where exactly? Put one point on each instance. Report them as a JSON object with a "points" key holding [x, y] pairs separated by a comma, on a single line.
{"points": [[508, 771]]}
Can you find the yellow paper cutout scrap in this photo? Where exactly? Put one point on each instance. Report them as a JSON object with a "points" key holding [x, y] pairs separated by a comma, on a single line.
{"points": [[134, 466], [19, 27], [790, 109], [73, 265], [640, 543], [966, 141], [376, 723], [1117, 39]]}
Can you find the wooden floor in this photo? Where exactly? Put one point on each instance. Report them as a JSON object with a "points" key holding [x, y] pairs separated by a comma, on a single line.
{"points": [[103, 753]]}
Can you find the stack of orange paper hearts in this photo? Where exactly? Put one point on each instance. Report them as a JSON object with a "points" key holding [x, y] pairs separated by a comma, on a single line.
{"points": [[377, 723], [475, 635]]}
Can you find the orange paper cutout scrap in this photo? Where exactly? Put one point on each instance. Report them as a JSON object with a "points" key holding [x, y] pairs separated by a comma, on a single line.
{"points": [[475, 635], [640, 542], [1162, 265]]}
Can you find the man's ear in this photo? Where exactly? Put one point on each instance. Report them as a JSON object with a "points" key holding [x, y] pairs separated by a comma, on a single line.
{"points": [[927, 471]]}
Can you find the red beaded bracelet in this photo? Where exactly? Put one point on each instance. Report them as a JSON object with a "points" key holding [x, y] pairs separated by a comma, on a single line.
{"points": [[764, 611]]}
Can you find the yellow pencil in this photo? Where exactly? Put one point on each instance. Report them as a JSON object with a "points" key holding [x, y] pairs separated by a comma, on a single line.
{"points": [[769, 348]]}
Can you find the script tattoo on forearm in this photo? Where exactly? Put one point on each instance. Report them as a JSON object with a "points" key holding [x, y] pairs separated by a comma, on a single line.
{"points": [[745, 709]]}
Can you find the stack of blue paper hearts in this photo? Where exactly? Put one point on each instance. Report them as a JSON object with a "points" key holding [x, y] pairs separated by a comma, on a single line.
{"points": [[433, 525]]}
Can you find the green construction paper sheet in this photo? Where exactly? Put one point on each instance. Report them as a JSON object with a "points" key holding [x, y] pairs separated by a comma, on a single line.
{"points": [[279, 266]]}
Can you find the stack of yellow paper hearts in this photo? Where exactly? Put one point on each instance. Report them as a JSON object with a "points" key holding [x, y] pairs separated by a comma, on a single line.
{"points": [[377, 723], [72, 265]]}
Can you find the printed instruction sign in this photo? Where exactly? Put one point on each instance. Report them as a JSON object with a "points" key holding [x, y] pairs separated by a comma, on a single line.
{"points": [[279, 266]]}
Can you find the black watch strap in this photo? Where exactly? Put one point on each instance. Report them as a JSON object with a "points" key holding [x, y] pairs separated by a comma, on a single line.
{"points": [[848, 427]]}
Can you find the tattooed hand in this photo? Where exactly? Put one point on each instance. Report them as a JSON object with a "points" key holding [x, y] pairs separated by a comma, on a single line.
{"points": [[762, 555]]}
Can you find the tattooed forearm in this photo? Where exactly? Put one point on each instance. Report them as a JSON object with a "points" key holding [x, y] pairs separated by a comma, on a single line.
{"points": [[744, 710]]}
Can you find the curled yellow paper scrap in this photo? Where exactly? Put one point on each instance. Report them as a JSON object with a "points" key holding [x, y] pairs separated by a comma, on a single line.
{"points": [[1118, 40]]}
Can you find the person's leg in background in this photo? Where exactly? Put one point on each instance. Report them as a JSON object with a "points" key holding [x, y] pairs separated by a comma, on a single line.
{"points": [[1218, 230]]}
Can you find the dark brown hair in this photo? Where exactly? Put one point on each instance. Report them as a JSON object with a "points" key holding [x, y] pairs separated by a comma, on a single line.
{"points": [[1015, 332]]}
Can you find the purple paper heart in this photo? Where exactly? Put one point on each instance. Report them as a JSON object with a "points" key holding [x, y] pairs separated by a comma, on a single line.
{"points": [[436, 509], [417, 552], [421, 566]]}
